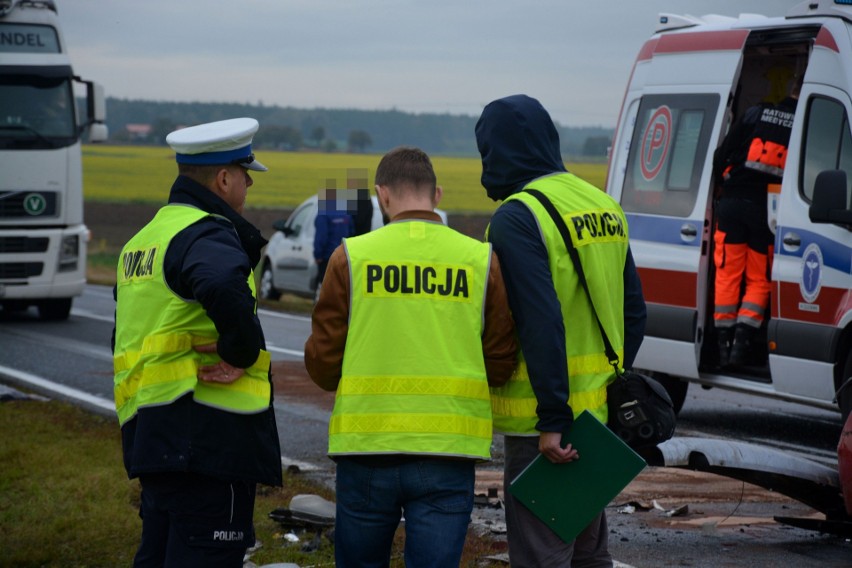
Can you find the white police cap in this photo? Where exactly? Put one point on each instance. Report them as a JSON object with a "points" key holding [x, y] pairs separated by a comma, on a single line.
{"points": [[217, 143]]}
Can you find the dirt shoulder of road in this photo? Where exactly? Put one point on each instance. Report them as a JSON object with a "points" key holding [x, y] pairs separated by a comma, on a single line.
{"points": [[665, 497]]}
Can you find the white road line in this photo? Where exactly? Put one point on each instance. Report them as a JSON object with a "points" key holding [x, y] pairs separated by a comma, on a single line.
{"points": [[283, 315], [90, 315], [282, 350], [56, 388], [285, 351], [303, 466]]}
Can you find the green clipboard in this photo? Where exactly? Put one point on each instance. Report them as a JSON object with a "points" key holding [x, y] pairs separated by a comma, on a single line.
{"points": [[566, 497]]}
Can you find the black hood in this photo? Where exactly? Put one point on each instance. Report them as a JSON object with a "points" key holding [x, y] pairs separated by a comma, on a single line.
{"points": [[518, 142]]}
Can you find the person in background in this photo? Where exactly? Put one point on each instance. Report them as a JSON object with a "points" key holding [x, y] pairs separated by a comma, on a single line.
{"points": [[410, 329], [751, 157], [193, 391], [333, 223], [356, 181], [563, 369]]}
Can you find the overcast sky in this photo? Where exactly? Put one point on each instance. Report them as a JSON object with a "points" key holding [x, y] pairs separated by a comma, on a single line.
{"points": [[416, 56]]}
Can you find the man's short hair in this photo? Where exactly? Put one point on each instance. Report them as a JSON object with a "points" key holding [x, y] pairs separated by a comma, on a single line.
{"points": [[406, 167], [203, 174]]}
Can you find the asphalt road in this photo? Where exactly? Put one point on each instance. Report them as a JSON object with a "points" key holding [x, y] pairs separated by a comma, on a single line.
{"points": [[728, 523]]}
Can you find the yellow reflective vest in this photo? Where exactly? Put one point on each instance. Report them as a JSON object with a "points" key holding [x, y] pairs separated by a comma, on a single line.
{"points": [[413, 378], [154, 361], [599, 232]]}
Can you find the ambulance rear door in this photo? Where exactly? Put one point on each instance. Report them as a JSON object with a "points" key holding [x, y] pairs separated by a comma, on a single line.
{"points": [[661, 172]]}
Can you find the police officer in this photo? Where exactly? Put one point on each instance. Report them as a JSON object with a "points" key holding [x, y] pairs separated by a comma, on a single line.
{"points": [[563, 369], [751, 157], [411, 327], [192, 385]]}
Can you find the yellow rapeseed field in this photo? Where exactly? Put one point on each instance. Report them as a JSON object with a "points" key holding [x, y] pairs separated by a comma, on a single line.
{"points": [[144, 174]]}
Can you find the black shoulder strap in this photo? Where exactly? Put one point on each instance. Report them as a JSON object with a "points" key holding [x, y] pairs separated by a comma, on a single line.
{"points": [[578, 267]]}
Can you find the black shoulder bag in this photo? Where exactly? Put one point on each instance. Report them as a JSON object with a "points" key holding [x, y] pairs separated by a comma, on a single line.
{"points": [[640, 410]]}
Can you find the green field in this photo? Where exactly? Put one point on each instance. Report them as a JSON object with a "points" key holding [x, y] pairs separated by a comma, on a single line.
{"points": [[144, 174]]}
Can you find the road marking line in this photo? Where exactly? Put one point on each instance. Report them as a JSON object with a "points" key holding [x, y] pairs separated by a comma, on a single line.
{"points": [[63, 390], [283, 315], [285, 351], [90, 315], [286, 462]]}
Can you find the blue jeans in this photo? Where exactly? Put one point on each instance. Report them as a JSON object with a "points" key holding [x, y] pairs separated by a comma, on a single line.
{"points": [[435, 495]]}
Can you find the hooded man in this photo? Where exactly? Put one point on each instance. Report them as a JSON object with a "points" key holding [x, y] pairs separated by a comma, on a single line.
{"points": [[563, 369]]}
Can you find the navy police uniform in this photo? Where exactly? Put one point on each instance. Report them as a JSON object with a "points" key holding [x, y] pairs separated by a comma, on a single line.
{"points": [[198, 464]]}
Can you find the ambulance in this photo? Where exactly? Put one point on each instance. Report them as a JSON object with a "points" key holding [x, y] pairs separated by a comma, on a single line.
{"points": [[689, 81]]}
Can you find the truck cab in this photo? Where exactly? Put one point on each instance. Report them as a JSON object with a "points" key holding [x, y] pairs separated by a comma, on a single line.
{"points": [[42, 234], [691, 79]]}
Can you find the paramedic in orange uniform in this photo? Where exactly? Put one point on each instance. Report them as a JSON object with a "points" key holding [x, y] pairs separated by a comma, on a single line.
{"points": [[751, 157]]}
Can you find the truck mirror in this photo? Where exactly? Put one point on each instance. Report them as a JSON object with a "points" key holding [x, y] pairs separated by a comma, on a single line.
{"points": [[829, 204], [98, 132], [98, 102]]}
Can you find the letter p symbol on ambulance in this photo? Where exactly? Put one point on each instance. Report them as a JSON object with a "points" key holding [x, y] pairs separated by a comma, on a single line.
{"points": [[655, 142]]}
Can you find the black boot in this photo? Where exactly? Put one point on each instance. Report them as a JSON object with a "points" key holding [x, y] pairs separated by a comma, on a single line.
{"points": [[723, 340], [741, 349]]}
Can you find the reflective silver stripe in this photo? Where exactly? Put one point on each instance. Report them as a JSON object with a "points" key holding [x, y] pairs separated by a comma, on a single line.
{"points": [[753, 307], [749, 321]]}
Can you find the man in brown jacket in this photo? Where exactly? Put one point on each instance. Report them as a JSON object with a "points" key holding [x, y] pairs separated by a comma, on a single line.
{"points": [[411, 328]]}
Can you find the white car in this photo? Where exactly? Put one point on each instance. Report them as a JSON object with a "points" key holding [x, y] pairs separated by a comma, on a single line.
{"points": [[288, 263]]}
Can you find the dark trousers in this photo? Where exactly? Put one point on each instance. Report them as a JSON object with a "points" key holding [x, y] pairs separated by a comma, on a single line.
{"points": [[193, 520], [532, 544]]}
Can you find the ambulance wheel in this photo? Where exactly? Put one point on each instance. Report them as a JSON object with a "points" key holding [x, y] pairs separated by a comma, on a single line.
{"points": [[844, 393], [675, 387], [267, 288]]}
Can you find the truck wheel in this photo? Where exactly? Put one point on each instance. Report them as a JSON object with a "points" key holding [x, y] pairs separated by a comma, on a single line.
{"points": [[55, 309], [844, 395], [267, 288], [675, 387]]}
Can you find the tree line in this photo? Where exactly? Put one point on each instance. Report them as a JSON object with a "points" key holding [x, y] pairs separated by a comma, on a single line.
{"points": [[330, 130]]}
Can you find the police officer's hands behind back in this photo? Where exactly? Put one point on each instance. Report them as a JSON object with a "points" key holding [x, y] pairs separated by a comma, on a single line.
{"points": [[221, 372], [550, 444]]}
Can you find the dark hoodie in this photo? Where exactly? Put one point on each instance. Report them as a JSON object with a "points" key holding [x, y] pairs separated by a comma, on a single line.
{"points": [[518, 143]]}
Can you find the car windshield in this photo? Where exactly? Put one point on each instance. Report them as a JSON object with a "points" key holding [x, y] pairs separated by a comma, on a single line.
{"points": [[36, 112]]}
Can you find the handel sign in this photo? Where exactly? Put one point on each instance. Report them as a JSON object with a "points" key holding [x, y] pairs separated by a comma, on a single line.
{"points": [[25, 38]]}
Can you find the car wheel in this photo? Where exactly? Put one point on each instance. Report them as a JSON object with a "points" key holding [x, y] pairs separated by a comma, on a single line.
{"points": [[267, 288], [844, 392], [55, 309]]}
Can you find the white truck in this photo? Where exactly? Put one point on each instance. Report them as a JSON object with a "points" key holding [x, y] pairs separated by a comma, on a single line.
{"points": [[42, 235], [689, 79]]}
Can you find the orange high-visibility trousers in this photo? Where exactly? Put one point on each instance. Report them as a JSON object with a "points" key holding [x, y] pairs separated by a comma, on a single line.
{"points": [[735, 261]]}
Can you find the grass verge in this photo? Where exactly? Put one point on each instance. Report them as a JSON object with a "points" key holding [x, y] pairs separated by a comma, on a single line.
{"points": [[65, 499]]}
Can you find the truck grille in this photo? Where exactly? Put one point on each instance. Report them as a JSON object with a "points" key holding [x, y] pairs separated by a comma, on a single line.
{"points": [[27, 204], [23, 244], [10, 270]]}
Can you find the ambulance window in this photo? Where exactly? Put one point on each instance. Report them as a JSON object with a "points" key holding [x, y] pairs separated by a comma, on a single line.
{"points": [[828, 143], [667, 157]]}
